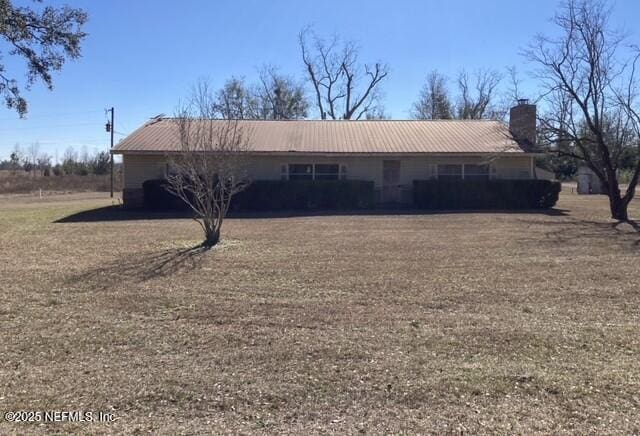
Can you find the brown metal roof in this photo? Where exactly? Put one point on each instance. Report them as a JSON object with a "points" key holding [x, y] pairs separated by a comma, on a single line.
{"points": [[315, 136]]}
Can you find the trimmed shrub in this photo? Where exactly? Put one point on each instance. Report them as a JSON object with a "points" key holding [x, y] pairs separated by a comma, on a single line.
{"points": [[485, 194], [156, 196], [277, 195]]}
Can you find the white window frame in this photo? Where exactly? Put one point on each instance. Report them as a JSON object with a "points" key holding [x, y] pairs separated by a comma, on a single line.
{"points": [[285, 170], [463, 169]]}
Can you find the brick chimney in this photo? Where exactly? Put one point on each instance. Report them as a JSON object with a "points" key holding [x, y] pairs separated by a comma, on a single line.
{"points": [[522, 123]]}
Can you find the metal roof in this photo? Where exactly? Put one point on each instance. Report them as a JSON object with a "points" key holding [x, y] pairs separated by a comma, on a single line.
{"points": [[315, 136]]}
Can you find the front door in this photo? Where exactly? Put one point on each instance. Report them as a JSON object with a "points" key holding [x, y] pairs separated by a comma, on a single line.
{"points": [[391, 181]]}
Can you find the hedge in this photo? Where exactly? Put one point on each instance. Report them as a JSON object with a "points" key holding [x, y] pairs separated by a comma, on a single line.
{"points": [[274, 195], [278, 195], [485, 194], [156, 196]]}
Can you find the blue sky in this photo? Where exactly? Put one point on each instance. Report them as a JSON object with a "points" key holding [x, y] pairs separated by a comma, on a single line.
{"points": [[143, 56]]}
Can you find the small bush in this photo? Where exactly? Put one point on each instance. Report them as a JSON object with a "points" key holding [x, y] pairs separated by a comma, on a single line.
{"points": [[488, 194], [278, 195]]}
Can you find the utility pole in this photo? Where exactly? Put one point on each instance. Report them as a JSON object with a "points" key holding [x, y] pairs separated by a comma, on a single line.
{"points": [[110, 129]]}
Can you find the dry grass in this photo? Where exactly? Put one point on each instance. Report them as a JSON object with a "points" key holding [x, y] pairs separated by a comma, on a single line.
{"points": [[26, 183], [475, 323]]}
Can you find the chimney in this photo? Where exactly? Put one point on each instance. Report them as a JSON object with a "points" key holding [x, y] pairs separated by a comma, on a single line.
{"points": [[522, 123]]}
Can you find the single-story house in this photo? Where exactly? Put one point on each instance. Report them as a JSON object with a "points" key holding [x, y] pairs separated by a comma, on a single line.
{"points": [[391, 153]]}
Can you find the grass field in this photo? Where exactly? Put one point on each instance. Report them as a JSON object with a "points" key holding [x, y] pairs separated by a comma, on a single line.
{"points": [[508, 323]]}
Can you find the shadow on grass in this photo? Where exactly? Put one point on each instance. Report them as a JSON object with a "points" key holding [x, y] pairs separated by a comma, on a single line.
{"points": [[574, 229], [117, 213], [142, 267], [634, 225]]}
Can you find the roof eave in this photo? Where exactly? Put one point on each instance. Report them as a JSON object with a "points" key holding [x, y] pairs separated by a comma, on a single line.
{"points": [[322, 153]]}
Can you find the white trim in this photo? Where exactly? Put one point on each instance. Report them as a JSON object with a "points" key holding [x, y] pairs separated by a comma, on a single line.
{"points": [[341, 175], [463, 169]]}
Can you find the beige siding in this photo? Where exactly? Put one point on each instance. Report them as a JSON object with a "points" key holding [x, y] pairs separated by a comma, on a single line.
{"points": [[138, 168], [269, 167], [514, 168]]}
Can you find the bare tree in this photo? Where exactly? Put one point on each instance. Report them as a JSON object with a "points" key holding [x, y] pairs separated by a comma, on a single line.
{"points": [[344, 88], [513, 91], [234, 101], [377, 113], [209, 168], [274, 97], [16, 158], [280, 96], [69, 161], [43, 163], [33, 152], [434, 102], [478, 94], [591, 95]]}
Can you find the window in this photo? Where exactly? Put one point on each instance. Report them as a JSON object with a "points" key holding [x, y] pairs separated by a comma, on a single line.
{"points": [[313, 172], [300, 172], [450, 172], [466, 172], [327, 172], [476, 172]]}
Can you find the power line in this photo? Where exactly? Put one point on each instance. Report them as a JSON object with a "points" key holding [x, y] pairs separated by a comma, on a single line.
{"points": [[52, 126], [51, 115]]}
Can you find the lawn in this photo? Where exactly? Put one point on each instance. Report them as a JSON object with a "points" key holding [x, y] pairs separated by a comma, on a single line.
{"points": [[466, 322]]}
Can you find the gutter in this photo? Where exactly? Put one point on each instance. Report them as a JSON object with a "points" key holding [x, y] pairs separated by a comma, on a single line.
{"points": [[344, 154]]}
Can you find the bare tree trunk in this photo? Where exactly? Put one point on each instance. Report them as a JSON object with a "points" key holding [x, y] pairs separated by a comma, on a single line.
{"points": [[618, 205], [212, 237]]}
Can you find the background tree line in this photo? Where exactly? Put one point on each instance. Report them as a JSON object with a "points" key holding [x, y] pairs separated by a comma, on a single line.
{"points": [[36, 163]]}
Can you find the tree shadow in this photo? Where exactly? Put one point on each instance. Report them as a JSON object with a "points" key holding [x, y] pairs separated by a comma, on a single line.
{"points": [[572, 229], [634, 225], [117, 213], [142, 267]]}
